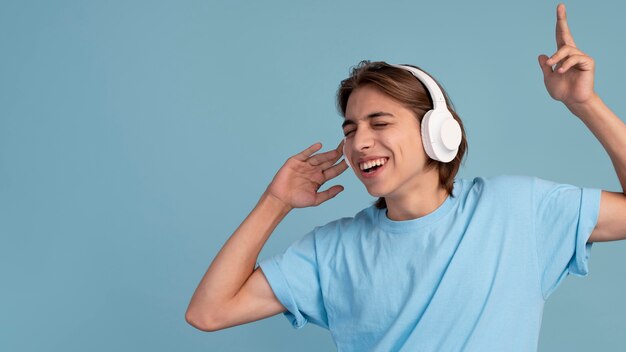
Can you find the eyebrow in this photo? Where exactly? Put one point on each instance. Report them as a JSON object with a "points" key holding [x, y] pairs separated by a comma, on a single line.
{"points": [[347, 122]]}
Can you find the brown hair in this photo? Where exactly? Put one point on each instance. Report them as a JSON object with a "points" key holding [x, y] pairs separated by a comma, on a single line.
{"points": [[403, 87]]}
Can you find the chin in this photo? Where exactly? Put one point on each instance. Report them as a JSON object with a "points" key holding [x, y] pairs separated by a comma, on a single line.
{"points": [[375, 192]]}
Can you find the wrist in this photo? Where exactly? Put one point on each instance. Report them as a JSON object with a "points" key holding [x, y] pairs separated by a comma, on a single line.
{"points": [[583, 109], [275, 203]]}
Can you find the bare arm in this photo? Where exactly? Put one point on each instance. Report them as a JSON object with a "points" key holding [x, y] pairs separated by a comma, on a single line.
{"points": [[611, 132], [571, 81], [234, 264], [232, 292]]}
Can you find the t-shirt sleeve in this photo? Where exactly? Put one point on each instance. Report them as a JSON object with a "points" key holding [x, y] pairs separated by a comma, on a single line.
{"points": [[294, 278], [564, 217]]}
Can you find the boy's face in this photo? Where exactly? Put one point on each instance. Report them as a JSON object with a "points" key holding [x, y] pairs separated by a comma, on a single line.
{"points": [[378, 128]]}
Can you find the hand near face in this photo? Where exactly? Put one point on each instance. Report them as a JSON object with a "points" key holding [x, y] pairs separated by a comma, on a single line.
{"points": [[568, 74], [297, 182]]}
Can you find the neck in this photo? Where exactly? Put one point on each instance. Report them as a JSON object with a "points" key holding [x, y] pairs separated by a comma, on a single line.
{"points": [[421, 200]]}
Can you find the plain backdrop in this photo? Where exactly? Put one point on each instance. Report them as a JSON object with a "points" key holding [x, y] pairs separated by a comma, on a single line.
{"points": [[135, 136]]}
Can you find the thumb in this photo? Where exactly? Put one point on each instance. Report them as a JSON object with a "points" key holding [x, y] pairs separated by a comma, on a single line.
{"points": [[545, 68]]}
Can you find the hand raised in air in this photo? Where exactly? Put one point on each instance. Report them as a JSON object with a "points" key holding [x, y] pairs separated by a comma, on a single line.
{"points": [[569, 73]]}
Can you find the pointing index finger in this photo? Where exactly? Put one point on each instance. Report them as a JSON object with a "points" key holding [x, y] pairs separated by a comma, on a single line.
{"points": [[563, 34]]}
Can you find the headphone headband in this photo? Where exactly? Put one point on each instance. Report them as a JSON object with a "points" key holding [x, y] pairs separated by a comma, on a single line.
{"points": [[439, 101], [441, 133]]}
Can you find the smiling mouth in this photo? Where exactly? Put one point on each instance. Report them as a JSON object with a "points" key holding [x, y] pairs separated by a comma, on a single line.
{"points": [[370, 168]]}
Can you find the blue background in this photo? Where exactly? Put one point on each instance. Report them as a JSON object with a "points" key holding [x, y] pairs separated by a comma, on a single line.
{"points": [[135, 136]]}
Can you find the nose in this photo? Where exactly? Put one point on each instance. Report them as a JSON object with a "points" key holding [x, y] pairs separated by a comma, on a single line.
{"points": [[363, 139]]}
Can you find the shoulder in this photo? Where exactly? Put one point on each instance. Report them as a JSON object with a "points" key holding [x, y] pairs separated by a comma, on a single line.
{"points": [[505, 180], [364, 217], [336, 229], [502, 189], [509, 183], [528, 186]]}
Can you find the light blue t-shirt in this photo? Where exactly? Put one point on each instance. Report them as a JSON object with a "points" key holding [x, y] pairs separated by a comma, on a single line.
{"points": [[471, 276]]}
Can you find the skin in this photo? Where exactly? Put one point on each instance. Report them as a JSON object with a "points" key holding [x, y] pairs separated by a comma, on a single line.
{"points": [[234, 292], [377, 125], [569, 78]]}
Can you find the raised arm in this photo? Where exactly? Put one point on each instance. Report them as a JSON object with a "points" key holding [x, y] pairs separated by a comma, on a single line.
{"points": [[232, 292], [569, 77]]}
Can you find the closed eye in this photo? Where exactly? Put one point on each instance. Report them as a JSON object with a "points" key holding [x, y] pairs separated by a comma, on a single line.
{"points": [[380, 124]]}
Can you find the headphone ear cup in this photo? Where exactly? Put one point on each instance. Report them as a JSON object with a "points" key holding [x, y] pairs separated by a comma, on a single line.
{"points": [[441, 135], [345, 157], [451, 134], [426, 135]]}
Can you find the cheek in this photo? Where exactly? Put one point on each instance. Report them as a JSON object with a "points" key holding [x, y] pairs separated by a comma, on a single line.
{"points": [[410, 147]]}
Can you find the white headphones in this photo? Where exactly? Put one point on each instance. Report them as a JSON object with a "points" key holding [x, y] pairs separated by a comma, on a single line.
{"points": [[441, 133]]}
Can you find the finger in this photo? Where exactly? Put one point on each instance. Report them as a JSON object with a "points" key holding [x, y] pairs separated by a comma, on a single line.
{"points": [[326, 161], [324, 157], [331, 160], [305, 154], [563, 34], [583, 62], [329, 163], [545, 68], [335, 171], [340, 146], [321, 197], [562, 53]]}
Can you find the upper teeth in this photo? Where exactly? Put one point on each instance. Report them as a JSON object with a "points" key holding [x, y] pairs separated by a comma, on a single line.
{"points": [[372, 163]]}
